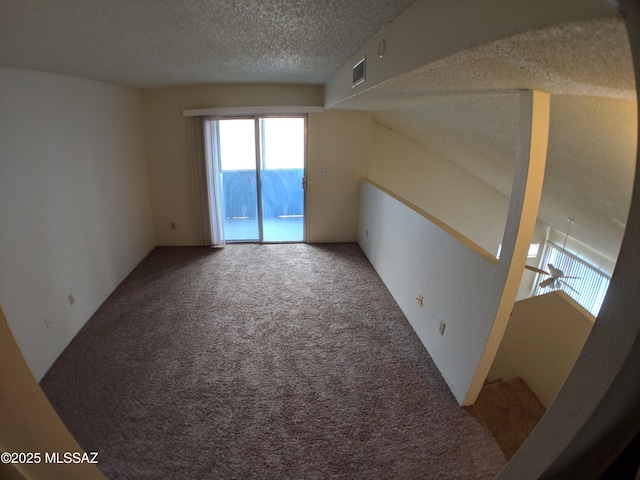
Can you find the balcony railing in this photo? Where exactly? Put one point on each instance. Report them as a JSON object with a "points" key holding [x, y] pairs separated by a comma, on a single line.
{"points": [[282, 205]]}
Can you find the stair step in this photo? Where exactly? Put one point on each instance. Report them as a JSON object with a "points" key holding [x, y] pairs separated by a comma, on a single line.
{"points": [[510, 411]]}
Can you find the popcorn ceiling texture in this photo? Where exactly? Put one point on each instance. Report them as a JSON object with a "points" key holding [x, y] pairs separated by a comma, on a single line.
{"points": [[588, 58], [590, 157], [453, 108], [152, 43], [464, 129]]}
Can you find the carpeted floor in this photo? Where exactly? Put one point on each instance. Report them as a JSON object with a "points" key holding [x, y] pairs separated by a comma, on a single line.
{"points": [[262, 361], [510, 410]]}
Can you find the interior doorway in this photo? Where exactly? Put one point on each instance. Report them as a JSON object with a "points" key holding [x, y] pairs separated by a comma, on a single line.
{"points": [[261, 161]]}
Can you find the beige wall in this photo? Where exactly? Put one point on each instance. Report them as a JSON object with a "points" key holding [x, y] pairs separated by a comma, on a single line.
{"points": [[28, 423], [74, 209], [447, 192], [337, 141], [439, 187], [542, 342], [167, 147]]}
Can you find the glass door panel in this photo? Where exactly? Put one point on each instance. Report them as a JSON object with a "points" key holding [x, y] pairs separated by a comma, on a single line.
{"points": [[282, 145], [239, 182]]}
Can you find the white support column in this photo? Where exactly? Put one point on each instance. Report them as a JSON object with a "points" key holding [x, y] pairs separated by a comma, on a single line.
{"points": [[528, 178]]}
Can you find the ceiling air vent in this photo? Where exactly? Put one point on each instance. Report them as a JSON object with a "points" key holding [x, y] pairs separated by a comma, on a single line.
{"points": [[359, 71]]}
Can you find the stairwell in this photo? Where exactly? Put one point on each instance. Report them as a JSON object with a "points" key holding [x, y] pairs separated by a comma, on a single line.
{"points": [[509, 410], [542, 341]]}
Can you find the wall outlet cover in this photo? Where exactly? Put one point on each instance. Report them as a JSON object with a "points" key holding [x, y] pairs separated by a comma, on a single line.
{"points": [[441, 328]]}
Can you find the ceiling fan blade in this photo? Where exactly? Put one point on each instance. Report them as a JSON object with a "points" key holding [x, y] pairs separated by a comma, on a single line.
{"points": [[547, 282], [566, 284], [537, 270]]}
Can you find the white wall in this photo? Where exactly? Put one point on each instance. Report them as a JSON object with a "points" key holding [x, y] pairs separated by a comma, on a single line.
{"points": [[542, 342], [415, 257], [337, 141], [75, 216]]}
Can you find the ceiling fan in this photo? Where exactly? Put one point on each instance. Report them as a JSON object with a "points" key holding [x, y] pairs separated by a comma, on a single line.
{"points": [[555, 277], [555, 274]]}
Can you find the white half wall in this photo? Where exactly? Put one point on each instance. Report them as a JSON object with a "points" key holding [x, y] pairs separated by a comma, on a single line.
{"points": [[461, 285], [75, 213], [413, 257]]}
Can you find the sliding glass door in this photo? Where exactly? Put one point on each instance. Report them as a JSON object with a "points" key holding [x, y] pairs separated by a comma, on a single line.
{"points": [[262, 162], [238, 171], [282, 178]]}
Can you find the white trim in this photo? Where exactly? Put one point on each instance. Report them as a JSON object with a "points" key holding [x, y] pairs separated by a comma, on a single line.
{"points": [[264, 110]]}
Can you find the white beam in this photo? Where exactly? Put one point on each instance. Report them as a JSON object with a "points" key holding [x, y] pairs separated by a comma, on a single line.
{"points": [[429, 31], [528, 178]]}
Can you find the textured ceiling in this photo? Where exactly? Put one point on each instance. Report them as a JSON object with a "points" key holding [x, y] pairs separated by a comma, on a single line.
{"points": [[452, 108], [152, 43], [590, 57], [456, 106], [477, 132]]}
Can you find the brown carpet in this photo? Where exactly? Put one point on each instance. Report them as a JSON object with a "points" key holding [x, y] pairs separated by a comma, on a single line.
{"points": [[262, 361], [510, 411]]}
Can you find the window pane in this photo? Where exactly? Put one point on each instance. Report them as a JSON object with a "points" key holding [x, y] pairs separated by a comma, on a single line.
{"points": [[237, 144], [588, 289], [283, 143]]}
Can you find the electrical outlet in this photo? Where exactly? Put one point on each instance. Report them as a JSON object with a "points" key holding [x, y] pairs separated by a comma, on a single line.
{"points": [[366, 233], [71, 299], [441, 328], [173, 225], [323, 172], [47, 323]]}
